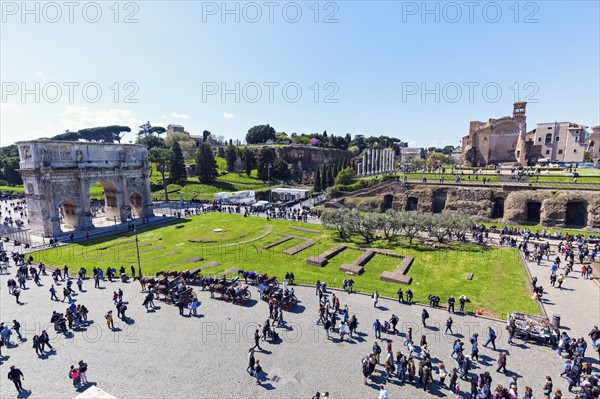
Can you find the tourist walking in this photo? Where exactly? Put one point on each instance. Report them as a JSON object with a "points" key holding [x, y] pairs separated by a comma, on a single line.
{"points": [[109, 320], [491, 338], [375, 297], [251, 361], [53, 296], [502, 362], [424, 317], [15, 375]]}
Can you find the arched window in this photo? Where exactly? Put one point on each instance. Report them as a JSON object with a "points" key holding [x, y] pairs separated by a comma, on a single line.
{"points": [[548, 138], [591, 146]]}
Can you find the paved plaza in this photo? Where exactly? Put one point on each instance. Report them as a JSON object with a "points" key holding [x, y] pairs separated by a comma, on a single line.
{"points": [[161, 354]]}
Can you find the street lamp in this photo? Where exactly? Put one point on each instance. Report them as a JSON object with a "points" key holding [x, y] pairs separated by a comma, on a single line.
{"points": [[137, 248], [268, 166]]}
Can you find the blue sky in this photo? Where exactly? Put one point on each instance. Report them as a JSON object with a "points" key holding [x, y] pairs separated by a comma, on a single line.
{"points": [[362, 72]]}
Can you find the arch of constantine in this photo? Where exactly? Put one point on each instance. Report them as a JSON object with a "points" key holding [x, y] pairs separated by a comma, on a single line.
{"points": [[57, 176]]}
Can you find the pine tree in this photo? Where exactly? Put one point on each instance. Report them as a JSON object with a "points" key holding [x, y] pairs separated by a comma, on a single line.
{"points": [[177, 167], [324, 178], [249, 161], [317, 188], [206, 166], [330, 180]]}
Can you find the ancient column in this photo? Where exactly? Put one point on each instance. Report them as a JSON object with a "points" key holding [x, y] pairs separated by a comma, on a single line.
{"points": [[364, 164]]}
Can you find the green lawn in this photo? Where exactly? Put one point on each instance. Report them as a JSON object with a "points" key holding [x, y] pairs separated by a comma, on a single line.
{"points": [[12, 190], [498, 285]]}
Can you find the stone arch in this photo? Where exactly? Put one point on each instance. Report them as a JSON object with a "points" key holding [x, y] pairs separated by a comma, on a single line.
{"points": [[57, 171], [498, 208], [388, 200], [439, 201], [534, 210], [576, 214], [113, 203], [70, 214], [135, 205], [412, 204]]}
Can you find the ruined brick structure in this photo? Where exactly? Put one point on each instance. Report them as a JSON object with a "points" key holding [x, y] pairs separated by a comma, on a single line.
{"points": [[509, 204]]}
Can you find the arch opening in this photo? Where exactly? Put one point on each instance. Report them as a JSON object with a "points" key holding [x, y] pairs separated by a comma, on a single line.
{"points": [[534, 211], [498, 208], [135, 206], [576, 215], [69, 215], [439, 202], [388, 199], [412, 204], [104, 203]]}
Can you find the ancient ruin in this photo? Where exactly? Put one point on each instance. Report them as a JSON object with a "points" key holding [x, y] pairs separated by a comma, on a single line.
{"points": [[509, 204], [57, 176], [374, 161]]}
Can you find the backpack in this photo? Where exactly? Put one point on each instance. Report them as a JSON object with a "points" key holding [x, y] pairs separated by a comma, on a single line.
{"points": [[425, 314]]}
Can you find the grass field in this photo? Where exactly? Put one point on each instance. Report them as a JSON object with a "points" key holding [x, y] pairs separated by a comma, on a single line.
{"points": [[499, 283]]}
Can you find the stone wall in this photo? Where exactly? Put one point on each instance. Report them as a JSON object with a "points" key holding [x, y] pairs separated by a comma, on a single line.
{"points": [[478, 201]]}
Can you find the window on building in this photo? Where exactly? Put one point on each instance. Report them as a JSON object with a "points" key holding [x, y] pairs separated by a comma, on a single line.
{"points": [[574, 151], [539, 139], [591, 146], [547, 152], [560, 152], [548, 138], [557, 138], [549, 127]]}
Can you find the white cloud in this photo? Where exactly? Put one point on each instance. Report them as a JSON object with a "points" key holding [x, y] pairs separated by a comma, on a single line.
{"points": [[74, 118], [163, 117], [8, 107], [41, 74], [227, 115], [179, 116]]}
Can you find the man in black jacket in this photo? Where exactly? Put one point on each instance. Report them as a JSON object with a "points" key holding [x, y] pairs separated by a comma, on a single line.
{"points": [[15, 376]]}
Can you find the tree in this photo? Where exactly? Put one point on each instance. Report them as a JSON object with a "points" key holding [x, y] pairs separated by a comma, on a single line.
{"points": [[317, 188], [104, 134], [330, 175], [161, 157], [365, 224], [260, 134], [437, 159], [206, 166], [12, 177], [249, 161], [150, 141], [267, 156], [147, 130], [345, 177], [337, 219], [187, 144], [230, 157], [67, 136], [177, 168], [280, 170], [447, 150], [410, 223], [324, 178]]}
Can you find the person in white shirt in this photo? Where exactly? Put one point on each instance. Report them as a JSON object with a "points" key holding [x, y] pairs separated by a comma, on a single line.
{"points": [[383, 393]]}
